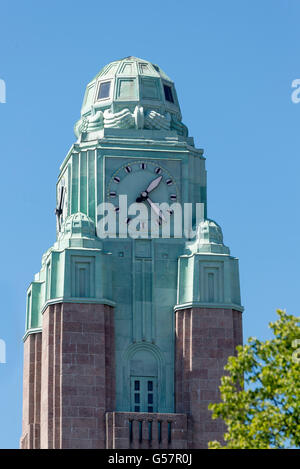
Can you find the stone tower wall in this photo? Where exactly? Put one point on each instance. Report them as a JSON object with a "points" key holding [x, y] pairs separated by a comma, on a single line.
{"points": [[69, 380], [205, 338]]}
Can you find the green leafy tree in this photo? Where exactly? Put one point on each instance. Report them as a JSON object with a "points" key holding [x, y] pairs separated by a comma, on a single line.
{"points": [[260, 394]]}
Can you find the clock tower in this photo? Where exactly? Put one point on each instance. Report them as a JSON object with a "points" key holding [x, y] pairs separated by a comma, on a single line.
{"points": [[129, 325]]}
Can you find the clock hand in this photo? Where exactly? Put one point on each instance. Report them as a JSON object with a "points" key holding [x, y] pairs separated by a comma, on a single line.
{"points": [[58, 210], [156, 209], [153, 185]]}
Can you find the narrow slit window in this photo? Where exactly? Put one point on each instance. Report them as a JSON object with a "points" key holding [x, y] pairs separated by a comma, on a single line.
{"points": [[104, 90], [136, 385], [150, 430], [82, 282], [169, 432], [159, 431], [211, 287], [168, 93]]}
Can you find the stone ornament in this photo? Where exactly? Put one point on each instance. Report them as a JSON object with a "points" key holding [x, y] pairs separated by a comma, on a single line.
{"points": [[124, 119]]}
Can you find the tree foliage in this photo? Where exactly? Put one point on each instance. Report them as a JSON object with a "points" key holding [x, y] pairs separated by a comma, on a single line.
{"points": [[260, 394]]}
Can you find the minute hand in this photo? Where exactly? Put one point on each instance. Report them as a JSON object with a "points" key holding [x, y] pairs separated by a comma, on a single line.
{"points": [[156, 209], [153, 184]]}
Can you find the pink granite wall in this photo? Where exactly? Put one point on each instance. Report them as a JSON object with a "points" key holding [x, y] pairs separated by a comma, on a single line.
{"points": [[205, 338]]}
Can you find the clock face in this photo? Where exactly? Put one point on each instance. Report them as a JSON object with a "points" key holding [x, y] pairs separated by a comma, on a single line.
{"points": [[144, 182]]}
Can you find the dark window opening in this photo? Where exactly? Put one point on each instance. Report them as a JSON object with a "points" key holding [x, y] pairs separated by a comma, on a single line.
{"points": [[143, 394], [169, 432], [150, 430], [104, 90], [136, 385], [159, 431], [168, 93]]}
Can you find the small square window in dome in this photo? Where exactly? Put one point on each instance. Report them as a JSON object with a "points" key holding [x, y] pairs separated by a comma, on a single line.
{"points": [[104, 90], [127, 89], [149, 89], [168, 93]]}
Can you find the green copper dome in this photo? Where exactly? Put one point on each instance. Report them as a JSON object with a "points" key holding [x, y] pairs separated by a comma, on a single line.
{"points": [[209, 238], [78, 230], [130, 93], [79, 224]]}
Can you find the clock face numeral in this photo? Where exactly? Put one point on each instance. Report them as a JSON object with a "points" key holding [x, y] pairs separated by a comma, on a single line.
{"points": [[113, 194], [128, 169], [169, 182], [157, 170], [173, 196], [117, 179], [143, 166], [117, 209]]}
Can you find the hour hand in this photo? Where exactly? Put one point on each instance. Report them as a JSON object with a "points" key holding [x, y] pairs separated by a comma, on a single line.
{"points": [[153, 184]]}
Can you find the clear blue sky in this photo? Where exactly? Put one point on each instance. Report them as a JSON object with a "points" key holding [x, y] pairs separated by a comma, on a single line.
{"points": [[233, 63]]}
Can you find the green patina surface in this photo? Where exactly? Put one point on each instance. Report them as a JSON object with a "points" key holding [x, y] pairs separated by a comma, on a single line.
{"points": [[145, 279]]}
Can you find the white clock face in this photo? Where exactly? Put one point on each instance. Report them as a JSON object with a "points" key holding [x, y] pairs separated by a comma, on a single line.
{"points": [[143, 182]]}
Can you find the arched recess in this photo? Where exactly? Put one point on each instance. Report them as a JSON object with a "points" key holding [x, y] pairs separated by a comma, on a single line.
{"points": [[134, 362]]}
